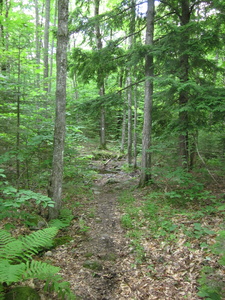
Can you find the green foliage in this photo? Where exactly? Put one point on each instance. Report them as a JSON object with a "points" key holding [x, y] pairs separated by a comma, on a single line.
{"points": [[83, 227], [64, 219], [185, 188], [219, 247], [198, 231], [127, 221], [211, 282], [17, 264], [17, 198], [126, 198], [23, 248], [12, 198], [211, 285]]}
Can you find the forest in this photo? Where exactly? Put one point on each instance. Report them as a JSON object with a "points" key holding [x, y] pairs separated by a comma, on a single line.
{"points": [[112, 149]]}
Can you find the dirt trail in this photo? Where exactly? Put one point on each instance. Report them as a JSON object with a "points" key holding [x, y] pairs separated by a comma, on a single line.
{"points": [[93, 263], [100, 263]]}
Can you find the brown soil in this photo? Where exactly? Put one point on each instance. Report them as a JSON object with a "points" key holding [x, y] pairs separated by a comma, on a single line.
{"points": [[93, 261]]}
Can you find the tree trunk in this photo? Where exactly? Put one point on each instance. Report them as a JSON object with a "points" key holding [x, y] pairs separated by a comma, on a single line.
{"points": [[183, 96], [129, 121], [129, 84], [18, 120], [123, 135], [145, 176], [46, 44], [135, 127], [52, 48], [37, 42], [55, 190], [100, 80]]}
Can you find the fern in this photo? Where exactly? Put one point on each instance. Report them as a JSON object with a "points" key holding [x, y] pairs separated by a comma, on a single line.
{"points": [[11, 273], [23, 249], [39, 270], [38, 240], [16, 263], [5, 238], [64, 220]]}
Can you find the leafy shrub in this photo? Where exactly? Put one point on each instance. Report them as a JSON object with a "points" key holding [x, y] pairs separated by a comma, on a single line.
{"points": [[12, 198]]}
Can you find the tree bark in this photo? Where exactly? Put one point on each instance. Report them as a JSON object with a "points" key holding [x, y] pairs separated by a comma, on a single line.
{"points": [[145, 176], [100, 80], [55, 189], [135, 127], [37, 42], [129, 120], [52, 48], [46, 44], [130, 88]]}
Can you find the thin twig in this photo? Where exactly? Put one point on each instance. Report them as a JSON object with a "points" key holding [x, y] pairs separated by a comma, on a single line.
{"points": [[205, 164]]}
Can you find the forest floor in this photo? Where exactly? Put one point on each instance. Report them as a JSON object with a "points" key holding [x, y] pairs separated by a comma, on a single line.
{"points": [[124, 246], [104, 262]]}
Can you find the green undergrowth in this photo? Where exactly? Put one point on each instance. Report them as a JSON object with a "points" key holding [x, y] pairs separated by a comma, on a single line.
{"points": [[158, 216], [17, 262]]}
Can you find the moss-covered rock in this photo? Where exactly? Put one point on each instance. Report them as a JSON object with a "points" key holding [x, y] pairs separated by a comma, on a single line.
{"points": [[35, 222], [22, 293]]}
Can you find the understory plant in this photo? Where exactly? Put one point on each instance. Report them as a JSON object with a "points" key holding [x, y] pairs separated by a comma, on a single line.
{"points": [[17, 263], [212, 286], [12, 199]]}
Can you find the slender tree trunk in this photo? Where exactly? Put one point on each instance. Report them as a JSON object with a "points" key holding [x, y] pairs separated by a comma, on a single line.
{"points": [[102, 124], [46, 44], [18, 121], [52, 49], [100, 80], [183, 96], [2, 67], [129, 121], [55, 189], [145, 176], [130, 89], [37, 42], [4, 13], [124, 119], [135, 127]]}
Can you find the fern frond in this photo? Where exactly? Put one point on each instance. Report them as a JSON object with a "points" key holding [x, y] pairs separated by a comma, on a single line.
{"points": [[5, 238], [24, 248], [11, 273], [58, 223], [11, 250], [38, 240], [39, 270]]}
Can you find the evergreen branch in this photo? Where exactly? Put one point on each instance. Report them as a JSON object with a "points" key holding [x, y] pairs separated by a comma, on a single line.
{"points": [[175, 10], [131, 34], [128, 86]]}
